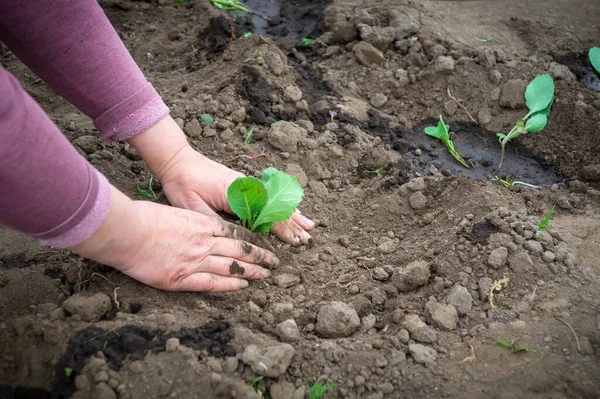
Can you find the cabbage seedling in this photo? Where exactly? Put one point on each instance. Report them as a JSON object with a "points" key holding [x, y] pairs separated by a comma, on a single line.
{"points": [[513, 348], [206, 119], [318, 389], [539, 96], [594, 55], [442, 133], [261, 203], [305, 42], [542, 224]]}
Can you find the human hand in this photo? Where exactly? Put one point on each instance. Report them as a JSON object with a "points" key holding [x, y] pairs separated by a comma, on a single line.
{"points": [[176, 249]]}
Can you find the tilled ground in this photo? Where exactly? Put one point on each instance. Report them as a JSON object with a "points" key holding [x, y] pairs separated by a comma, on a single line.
{"points": [[393, 299]]}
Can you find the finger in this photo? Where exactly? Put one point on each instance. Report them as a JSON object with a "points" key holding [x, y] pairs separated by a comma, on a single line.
{"points": [[244, 251], [290, 232], [228, 267], [302, 221], [207, 282], [230, 230]]}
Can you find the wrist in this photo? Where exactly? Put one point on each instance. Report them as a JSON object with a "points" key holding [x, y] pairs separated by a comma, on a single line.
{"points": [[160, 145]]}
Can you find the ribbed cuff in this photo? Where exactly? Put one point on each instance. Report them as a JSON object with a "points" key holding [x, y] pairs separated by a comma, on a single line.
{"points": [[132, 116], [90, 222]]}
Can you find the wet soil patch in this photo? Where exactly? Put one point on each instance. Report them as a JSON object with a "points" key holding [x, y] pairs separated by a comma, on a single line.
{"points": [[252, 86], [288, 21], [474, 143], [135, 342], [212, 41], [580, 65], [480, 232]]}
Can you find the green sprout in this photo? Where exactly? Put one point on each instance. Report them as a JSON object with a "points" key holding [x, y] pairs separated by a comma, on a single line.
{"points": [[206, 119], [305, 42], [247, 34], [508, 184], [257, 60], [318, 389], [248, 138], [543, 224], [230, 5], [255, 383], [68, 372], [377, 171], [178, 1], [259, 203], [271, 119], [150, 193], [514, 349], [489, 38], [539, 96], [594, 55], [442, 133]]}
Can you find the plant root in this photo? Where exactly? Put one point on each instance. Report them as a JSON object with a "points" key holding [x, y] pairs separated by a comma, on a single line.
{"points": [[574, 333]]}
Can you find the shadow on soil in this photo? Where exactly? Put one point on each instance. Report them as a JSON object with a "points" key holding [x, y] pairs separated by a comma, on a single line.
{"points": [[580, 65]]}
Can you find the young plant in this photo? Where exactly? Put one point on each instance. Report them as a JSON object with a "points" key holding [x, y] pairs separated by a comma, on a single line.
{"points": [[230, 5], [259, 204], [305, 42], [594, 55], [150, 193], [247, 34], [206, 119], [318, 389], [508, 184], [539, 96], [248, 138], [257, 60], [271, 119], [68, 372], [378, 172], [255, 382], [442, 133], [543, 224], [514, 349], [332, 114]]}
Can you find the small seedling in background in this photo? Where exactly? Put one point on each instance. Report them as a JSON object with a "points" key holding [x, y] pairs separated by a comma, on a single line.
{"points": [[150, 193], [513, 349], [539, 96], [442, 133], [508, 184], [178, 1], [332, 114], [255, 383], [258, 60], [594, 55], [318, 389], [248, 138], [247, 34], [261, 203], [68, 372], [273, 120], [489, 38], [230, 5], [206, 119], [305, 42], [543, 224], [378, 172]]}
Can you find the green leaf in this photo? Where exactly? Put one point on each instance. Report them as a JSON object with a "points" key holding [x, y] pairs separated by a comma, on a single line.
{"points": [[68, 372], [536, 123], [539, 93], [501, 135], [246, 196], [284, 194], [206, 119], [505, 344], [433, 132], [267, 173], [264, 228], [248, 138], [595, 58]]}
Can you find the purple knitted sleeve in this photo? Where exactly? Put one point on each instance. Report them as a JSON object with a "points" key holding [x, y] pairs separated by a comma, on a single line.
{"points": [[47, 190]]}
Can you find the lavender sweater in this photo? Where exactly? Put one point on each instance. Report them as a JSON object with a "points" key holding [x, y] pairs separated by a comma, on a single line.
{"points": [[47, 190]]}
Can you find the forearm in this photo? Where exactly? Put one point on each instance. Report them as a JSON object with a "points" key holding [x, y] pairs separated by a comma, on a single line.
{"points": [[73, 47], [47, 190]]}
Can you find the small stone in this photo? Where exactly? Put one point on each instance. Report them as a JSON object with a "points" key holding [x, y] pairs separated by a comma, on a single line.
{"points": [[193, 128], [428, 218], [164, 389], [548, 256], [443, 65], [231, 364], [561, 72], [521, 262], [423, 354], [209, 131], [380, 274], [385, 388], [368, 322], [269, 360], [136, 367], [336, 320], [487, 58], [103, 391], [513, 94], [497, 258], [461, 299], [286, 280], [411, 276], [419, 331], [533, 246], [495, 77], [417, 200], [82, 382], [89, 144], [285, 136], [484, 115], [379, 100], [292, 94], [282, 390], [445, 317], [367, 54], [404, 336], [296, 170], [417, 184], [388, 247], [215, 365], [484, 284], [90, 306], [344, 32], [172, 344], [101, 376], [288, 331]]}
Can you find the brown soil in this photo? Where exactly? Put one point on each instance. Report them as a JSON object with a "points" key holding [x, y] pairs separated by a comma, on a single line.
{"points": [[370, 227]]}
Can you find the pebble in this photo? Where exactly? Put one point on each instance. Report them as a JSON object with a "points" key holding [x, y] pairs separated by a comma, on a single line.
{"points": [[379, 100], [101, 376], [103, 391], [423, 354], [282, 390], [533, 246], [411, 277], [286, 280], [269, 360], [368, 322], [442, 316], [90, 306], [417, 200], [484, 284], [336, 320], [136, 367], [288, 331], [292, 94], [461, 299], [403, 336], [548, 256], [419, 331], [231, 365], [172, 344], [443, 65], [380, 274], [498, 257]]}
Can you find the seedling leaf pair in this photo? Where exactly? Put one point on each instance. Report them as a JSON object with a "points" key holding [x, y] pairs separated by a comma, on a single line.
{"points": [[513, 348], [594, 55], [539, 97], [259, 204], [442, 133], [150, 193], [543, 224]]}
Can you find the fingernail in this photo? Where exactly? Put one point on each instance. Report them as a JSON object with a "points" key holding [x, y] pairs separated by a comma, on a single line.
{"points": [[266, 273], [243, 283]]}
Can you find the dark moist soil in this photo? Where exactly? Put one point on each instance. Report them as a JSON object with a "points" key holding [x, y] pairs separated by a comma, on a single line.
{"points": [[580, 65]]}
